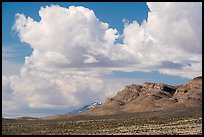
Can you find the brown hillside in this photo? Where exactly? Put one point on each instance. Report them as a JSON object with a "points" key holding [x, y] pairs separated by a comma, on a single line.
{"points": [[152, 97]]}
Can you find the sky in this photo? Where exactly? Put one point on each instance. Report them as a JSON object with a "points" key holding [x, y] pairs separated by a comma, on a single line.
{"points": [[60, 56]]}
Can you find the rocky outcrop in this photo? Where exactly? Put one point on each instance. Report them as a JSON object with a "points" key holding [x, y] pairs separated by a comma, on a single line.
{"points": [[152, 97], [190, 94]]}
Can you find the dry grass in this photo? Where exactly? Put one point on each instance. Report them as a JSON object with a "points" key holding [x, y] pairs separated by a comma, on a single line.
{"points": [[169, 122], [135, 124]]}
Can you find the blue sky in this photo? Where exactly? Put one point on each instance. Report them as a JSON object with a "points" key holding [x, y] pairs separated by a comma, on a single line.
{"points": [[72, 56]]}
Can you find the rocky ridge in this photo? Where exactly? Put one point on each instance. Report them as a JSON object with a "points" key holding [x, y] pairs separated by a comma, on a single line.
{"points": [[152, 97]]}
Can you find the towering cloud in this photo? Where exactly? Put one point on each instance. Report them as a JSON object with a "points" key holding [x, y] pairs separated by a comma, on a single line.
{"points": [[73, 49], [170, 40]]}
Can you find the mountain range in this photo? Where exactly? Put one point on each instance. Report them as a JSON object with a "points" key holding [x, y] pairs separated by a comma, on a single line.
{"points": [[152, 97], [148, 97]]}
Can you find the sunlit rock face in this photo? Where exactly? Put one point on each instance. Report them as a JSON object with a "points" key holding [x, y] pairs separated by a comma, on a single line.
{"points": [[152, 97]]}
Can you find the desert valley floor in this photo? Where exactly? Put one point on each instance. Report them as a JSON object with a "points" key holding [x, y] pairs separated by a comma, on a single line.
{"points": [[144, 123]]}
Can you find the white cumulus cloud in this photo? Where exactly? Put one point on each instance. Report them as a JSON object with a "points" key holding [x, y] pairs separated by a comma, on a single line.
{"points": [[169, 40]]}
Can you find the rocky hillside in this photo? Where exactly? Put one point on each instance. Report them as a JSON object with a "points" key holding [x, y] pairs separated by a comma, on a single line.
{"points": [[152, 97]]}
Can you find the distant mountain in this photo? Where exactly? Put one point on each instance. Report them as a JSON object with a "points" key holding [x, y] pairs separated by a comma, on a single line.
{"points": [[27, 118], [148, 97], [86, 107], [152, 97]]}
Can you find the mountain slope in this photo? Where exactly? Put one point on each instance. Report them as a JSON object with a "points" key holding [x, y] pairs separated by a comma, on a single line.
{"points": [[86, 107], [152, 97]]}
